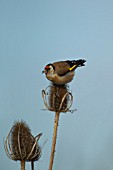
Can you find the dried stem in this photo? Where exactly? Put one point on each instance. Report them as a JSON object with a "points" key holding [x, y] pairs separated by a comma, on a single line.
{"points": [[57, 114], [22, 164], [56, 98], [32, 165]]}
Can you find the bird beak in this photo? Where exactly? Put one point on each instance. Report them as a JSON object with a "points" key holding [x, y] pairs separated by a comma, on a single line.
{"points": [[44, 71]]}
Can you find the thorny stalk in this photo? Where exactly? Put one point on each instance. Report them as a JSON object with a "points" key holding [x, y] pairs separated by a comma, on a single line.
{"points": [[22, 164], [57, 114], [32, 165], [58, 99]]}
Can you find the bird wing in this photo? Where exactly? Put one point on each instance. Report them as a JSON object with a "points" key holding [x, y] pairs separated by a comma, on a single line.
{"points": [[61, 68]]}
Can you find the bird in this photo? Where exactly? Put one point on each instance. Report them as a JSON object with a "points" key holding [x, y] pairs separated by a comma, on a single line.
{"points": [[62, 72]]}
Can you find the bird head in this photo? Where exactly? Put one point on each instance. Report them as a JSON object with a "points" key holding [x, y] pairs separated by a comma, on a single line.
{"points": [[48, 69]]}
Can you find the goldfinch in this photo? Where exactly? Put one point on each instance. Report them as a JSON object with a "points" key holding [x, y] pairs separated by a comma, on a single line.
{"points": [[62, 72]]}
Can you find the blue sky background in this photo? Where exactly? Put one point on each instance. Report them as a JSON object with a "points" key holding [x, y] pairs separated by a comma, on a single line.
{"points": [[35, 33]]}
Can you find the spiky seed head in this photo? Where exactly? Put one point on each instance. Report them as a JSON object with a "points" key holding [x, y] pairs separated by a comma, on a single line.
{"points": [[58, 97], [20, 143], [21, 140]]}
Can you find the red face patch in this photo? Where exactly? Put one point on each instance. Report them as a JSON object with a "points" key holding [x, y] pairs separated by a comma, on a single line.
{"points": [[46, 67]]}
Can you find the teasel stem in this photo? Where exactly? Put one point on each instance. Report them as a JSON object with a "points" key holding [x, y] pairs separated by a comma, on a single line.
{"points": [[22, 164], [32, 165], [56, 98], [57, 114]]}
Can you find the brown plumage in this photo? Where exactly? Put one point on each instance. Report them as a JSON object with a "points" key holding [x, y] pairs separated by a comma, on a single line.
{"points": [[62, 72]]}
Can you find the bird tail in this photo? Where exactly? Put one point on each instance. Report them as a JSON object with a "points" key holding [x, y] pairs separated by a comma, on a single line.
{"points": [[75, 63], [80, 62]]}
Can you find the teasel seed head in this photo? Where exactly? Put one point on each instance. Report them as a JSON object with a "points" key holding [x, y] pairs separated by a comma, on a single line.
{"points": [[20, 143], [57, 98]]}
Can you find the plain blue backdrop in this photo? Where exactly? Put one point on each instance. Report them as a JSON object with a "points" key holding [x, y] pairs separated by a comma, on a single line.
{"points": [[35, 33]]}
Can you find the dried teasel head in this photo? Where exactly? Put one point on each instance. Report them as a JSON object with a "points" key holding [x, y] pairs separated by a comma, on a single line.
{"points": [[57, 98], [20, 143]]}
